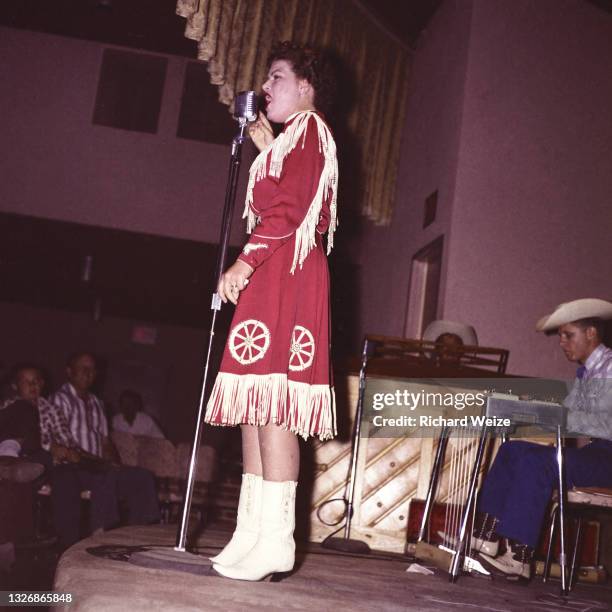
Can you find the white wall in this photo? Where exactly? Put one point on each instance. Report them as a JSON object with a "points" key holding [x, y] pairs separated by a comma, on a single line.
{"points": [[55, 163], [532, 220]]}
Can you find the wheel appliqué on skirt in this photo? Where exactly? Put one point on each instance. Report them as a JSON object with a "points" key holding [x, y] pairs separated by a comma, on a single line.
{"points": [[301, 352], [249, 341]]}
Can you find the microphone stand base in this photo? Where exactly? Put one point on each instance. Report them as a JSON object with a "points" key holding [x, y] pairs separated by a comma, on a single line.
{"points": [[164, 558], [347, 545]]}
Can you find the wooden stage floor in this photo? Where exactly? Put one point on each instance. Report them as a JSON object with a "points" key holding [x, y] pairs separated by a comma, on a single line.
{"points": [[324, 580]]}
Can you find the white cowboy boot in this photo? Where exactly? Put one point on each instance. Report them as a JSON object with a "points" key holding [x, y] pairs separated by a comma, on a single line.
{"points": [[477, 545], [515, 562], [484, 538], [247, 522], [274, 551]]}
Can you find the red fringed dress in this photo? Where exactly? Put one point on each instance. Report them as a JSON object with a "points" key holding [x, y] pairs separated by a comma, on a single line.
{"points": [[275, 366]]}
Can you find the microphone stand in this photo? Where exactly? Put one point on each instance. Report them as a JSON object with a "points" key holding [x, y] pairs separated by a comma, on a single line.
{"points": [[346, 543], [226, 225], [178, 558]]}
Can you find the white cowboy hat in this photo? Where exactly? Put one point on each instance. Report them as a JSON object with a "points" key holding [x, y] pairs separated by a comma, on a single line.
{"points": [[586, 308], [436, 328]]}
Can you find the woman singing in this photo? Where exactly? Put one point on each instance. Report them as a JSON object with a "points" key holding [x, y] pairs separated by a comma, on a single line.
{"points": [[274, 379]]}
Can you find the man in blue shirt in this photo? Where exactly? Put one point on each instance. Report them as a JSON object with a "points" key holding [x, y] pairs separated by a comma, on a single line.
{"points": [[518, 487]]}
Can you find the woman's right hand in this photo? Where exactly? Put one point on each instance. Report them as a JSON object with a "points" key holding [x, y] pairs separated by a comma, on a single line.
{"points": [[233, 281], [261, 132]]}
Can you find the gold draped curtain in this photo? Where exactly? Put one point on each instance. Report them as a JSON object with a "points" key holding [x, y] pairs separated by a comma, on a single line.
{"points": [[235, 38]]}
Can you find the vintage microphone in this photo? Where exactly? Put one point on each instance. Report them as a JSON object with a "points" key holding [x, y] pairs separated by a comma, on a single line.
{"points": [[245, 111], [245, 107]]}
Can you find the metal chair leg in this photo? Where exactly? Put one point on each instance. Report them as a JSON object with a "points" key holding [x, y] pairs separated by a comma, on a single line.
{"points": [[464, 537], [551, 536], [433, 484], [577, 543], [562, 500]]}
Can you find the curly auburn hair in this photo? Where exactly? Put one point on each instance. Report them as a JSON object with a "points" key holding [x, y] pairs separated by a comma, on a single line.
{"points": [[313, 65]]}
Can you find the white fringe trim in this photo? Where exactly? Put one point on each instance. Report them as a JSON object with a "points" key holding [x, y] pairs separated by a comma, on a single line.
{"points": [[254, 247], [272, 398], [279, 148]]}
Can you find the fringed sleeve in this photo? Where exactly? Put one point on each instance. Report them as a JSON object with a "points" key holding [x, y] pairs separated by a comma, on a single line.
{"points": [[302, 161]]}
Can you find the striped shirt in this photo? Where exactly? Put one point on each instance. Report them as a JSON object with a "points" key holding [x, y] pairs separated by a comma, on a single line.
{"points": [[85, 417], [54, 427]]}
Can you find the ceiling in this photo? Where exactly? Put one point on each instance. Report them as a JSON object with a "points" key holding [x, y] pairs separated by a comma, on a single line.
{"points": [[407, 19], [153, 24], [142, 24]]}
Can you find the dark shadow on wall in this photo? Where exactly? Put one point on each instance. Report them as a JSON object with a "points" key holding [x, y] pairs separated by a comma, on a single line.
{"points": [[344, 260]]}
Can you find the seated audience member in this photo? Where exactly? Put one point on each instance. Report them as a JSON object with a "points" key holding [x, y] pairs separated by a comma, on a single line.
{"points": [[449, 336], [95, 465], [19, 467], [16, 519], [19, 439], [131, 418], [59, 448], [518, 488], [18, 427]]}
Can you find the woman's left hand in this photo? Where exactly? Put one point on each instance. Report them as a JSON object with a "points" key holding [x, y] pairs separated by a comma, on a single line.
{"points": [[233, 281]]}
